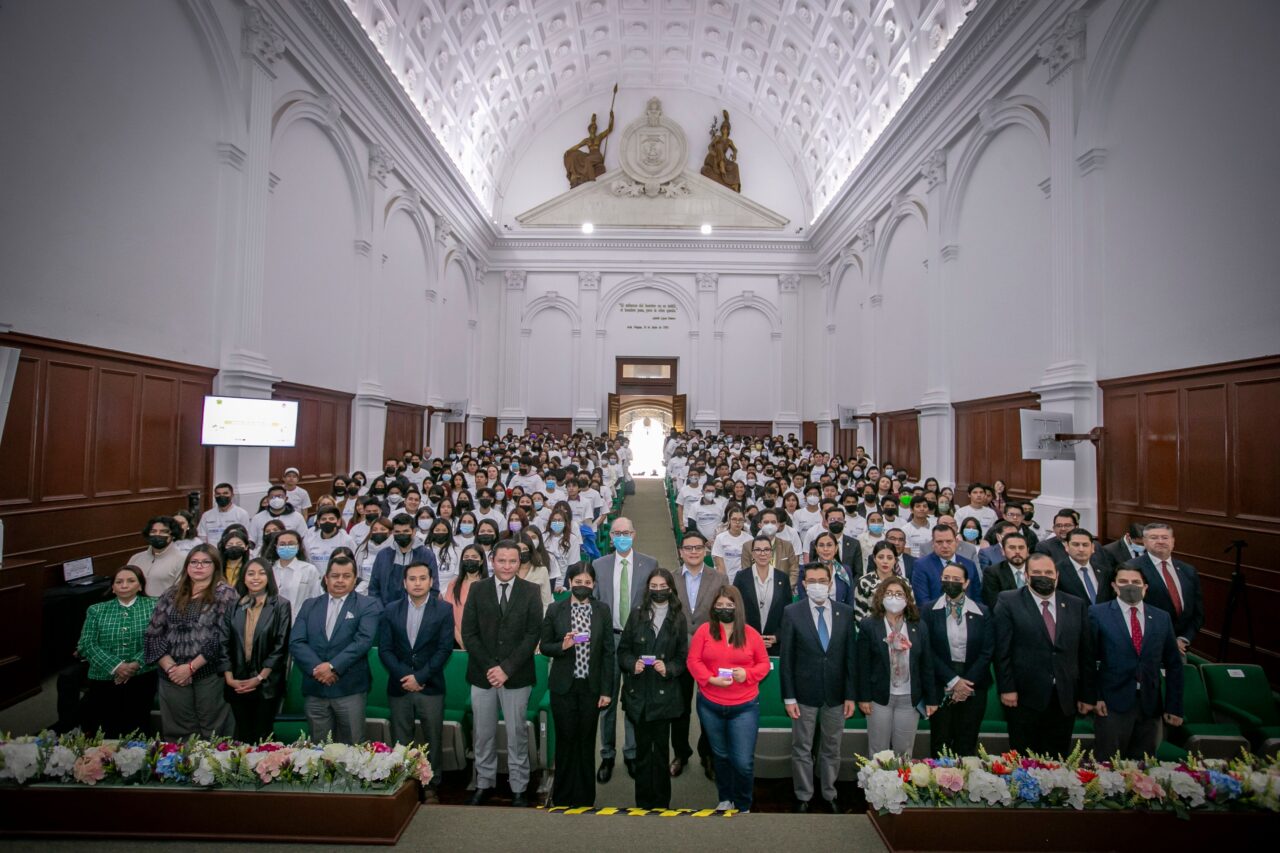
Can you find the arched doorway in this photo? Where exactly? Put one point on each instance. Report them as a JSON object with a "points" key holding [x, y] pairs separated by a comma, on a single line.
{"points": [[646, 423]]}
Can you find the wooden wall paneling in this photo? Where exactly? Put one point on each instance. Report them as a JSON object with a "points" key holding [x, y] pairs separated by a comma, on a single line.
{"points": [[116, 402], [21, 628], [454, 433], [1255, 456], [809, 432], [1159, 449], [989, 445], [899, 440], [555, 426], [755, 429], [64, 453], [194, 459], [489, 428], [1120, 414], [404, 429], [158, 432], [18, 469], [844, 442], [323, 445]]}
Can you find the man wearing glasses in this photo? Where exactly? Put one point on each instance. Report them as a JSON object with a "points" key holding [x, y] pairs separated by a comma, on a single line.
{"points": [[697, 587]]}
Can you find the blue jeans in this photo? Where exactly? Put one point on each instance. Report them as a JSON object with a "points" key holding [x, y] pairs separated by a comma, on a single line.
{"points": [[731, 730]]}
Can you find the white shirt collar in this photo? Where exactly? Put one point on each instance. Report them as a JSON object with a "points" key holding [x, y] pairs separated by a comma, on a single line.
{"points": [[132, 602], [970, 606]]}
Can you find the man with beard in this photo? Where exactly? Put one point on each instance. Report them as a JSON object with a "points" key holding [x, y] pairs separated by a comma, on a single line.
{"points": [[1010, 573]]}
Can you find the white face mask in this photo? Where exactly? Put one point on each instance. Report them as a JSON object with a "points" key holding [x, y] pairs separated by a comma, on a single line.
{"points": [[811, 500], [817, 593], [769, 529], [276, 503], [895, 605]]}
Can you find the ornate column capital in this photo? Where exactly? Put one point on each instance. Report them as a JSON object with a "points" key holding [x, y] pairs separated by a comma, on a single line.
{"points": [[864, 239], [380, 163], [260, 40], [1064, 46], [589, 280], [934, 170], [824, 279], [363, 247], [707, 281], [515, 279], [788, 282], [444, 230]]}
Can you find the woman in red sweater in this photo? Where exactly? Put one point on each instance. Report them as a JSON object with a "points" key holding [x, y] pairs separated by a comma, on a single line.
{"points": [[727, 660]]}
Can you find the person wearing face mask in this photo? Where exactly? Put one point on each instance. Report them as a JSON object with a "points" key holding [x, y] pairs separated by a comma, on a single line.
{"points": [[564, 545], [889, 509], [708, 512], [386, 581], [848, 548], [532, 572], [472, 568], [816, 668], [784, 555], [234, 550], [254, 652], [1010, 573], [765, 591], [297, 497], [466, 534], [1172, 585], [296, 579], [440, 541], [873, 535], [278, 507], [348, 501], [577, 637], [1133, 643], [122, 688], [990, 554], [1127, 548], [963, 640], [687, 501], [810, 515], [697, 588], [926, 577], [1044, 661], [375, 541], [728, 660], [487, 536], [894, 669], [327, 536], [489, 509], [224, 513], [161, 562]]}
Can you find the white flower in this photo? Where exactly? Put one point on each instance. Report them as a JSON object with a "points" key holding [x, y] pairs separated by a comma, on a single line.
{"points": [[971, 762], [304, 760], [884, 791], [1186, 788], [18, 761], [1110, 782], [60, 763], [130, 760], [988, 788], [884, 757], [203, 774]]}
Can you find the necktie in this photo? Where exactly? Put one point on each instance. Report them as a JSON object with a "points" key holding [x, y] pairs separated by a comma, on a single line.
{"points": [[1019, 579], [502, 602], [624, 583], [824, 636], [331, 618], [1173, 588], [1049, 624], [1135, 628], [1088, 585]]}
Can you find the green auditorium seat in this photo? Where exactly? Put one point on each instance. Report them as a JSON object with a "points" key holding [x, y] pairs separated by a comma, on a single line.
{"points": [[377, 709], [1241, 693], [1199, 733], [773, 744], [291, 722], [993, 733], [457, 702]]}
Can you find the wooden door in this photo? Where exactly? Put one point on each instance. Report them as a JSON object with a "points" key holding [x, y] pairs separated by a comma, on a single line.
{"points": [[615, 408], [679, 403]]}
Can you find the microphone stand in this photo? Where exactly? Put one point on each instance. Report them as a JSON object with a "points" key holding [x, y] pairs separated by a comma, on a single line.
{"points": [[1237, 595]]}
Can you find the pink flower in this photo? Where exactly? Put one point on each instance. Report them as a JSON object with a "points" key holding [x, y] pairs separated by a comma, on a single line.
{"points": [[88, 768], [425, 775], [379, 746], [268, 769], [949, 778], [1146, 787]]}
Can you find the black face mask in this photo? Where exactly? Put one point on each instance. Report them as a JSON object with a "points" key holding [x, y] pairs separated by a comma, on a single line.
{"points": [[486, 538], [525, 558], [370, 518], [158, 542], [235, 552], [327, 527], [889, 512], [869, 497], [403, 539], [582, 593], [389, 471], [723, 614], [1042, 585], [659, 596], [485, 503], [836, 527], [223, 501], [339, 491], [378, 538], [352, 491], [435, 473], [440, 538], [471, 567], [952, 589]]}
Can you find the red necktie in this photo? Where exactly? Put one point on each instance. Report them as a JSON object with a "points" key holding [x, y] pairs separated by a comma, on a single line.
{"points": [[1173, 588], [1049, 624], [1135, 628]]}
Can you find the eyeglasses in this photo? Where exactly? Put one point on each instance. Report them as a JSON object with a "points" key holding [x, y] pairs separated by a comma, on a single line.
{"points": [[761, 550], [693, 547], [200, 563]]}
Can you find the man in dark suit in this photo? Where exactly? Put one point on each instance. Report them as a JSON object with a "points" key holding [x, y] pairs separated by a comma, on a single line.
{"points": [[697, 586], [1013, 514], [897, 537], [582, 673], [620, 583], [991, 554], [386, 578], [1044, 661], [1011, 573], [1172, 585], [415, 640], [816, 667], [1133, 643], [848, 549], [763, 580], [501, 623], [1064, 521], [1127, 548], [963, 640], [926, 578], [330, 642], [1082, 571]]}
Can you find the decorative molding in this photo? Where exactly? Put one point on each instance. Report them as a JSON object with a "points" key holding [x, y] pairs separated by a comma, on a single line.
{"points": [[444, 230], [1091, 160], [934, 170], [380, 164], [673, 244], [1046, 187], [824, 278], [261, 41], [232, 155], [431, 294], [876, 299], [515, 279], [708, 282], [363, 248], [588, 280], [1064, 46], [864, 239], [273, 180], [949, 252], [788, 282]]}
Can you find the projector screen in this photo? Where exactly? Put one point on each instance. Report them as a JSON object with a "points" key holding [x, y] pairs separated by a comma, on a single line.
{"points": [[248, 422]]}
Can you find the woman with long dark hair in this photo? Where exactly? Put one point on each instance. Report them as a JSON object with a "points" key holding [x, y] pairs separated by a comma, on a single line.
{"points": [[122, 687], [255, 652]]}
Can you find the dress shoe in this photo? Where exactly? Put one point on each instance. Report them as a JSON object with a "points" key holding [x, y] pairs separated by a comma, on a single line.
{"points": [[631, 766], [519, 801], [480, 796], [709, 768], [605, 773], [832, 806], [801, 807], [677, 767], [429, 795]]}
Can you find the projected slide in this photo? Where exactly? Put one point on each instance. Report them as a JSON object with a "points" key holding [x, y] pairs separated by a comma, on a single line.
{"points": [[246, 422]]}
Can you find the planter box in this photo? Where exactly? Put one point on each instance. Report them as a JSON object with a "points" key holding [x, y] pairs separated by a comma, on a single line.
{"points": [[156, 812], [1017, 829]]}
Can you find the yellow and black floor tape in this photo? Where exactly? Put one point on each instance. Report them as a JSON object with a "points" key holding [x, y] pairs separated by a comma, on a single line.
{"points": [[610, 811]]}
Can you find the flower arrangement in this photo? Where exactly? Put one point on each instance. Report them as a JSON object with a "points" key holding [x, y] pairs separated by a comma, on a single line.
{"points": [[893, 783], [89, 760]]}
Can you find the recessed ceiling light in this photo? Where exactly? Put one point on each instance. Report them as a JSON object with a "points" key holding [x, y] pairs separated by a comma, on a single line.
{"points": [[706, 228], [587, 228]]}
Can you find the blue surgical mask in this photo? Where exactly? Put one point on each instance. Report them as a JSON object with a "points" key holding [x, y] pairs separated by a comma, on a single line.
{"points": [[1139, 549], [551, 485], [515, 466], [557, 527], [466, 529], [287, 552], [971, 534], [876, 529], [537, 505], [623, 542]]}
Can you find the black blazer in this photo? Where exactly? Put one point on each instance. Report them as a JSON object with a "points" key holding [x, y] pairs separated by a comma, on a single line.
{"points": [[767, 623], [1040, 671], [269, 644], [1069, 579], [980, 645], [872, 668], [997, 579], [1191, 621], [508, 641], [424, 656], [650, 696], [1117, 553], [600, 658], [812, 677], [850, 556], [1054, 547]]}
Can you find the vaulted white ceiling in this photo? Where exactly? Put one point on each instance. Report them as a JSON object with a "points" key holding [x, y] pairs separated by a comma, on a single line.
{"points": [[825, 76]]}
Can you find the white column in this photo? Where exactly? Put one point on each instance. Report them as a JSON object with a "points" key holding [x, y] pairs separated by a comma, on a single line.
{"points": [[707, 396], [587, 409], [1068, 383], [787, 356], [869, 314], [827, 407], [369, 408], [937, 418], [512, 414]]}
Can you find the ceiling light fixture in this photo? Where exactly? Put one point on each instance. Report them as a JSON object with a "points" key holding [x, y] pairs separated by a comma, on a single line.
{"points": [[706, 228], [587, 228]]}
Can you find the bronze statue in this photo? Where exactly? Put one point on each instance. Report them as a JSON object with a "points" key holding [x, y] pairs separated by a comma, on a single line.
{"points": [[582, 166], [721, 163]]}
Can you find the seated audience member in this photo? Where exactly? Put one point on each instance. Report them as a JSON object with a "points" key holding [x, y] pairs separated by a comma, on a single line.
{"points": [[580, 682], [1134, 644], [564, 544], [331, 641], [297, 497], [926, 579], [848, 548], [894, 669], [884, 565], [386, 582], [278, 507], [224, 513], [765, 593], [501, 624], [122, 687], [977, 507], [963, 639], [255, 652], [1172, 585], [296, 579], [816, 667], [651, 656], [184, 638], [898, 539], [727, 660], [1064, 521], [1010, 573], [162, 561], [327, 536], [1082, 571], [415, 639], [873, 536], [440, 541]]}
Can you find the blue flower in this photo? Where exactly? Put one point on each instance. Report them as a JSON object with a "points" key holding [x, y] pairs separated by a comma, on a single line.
{"points": [[1224, 784], [138, 744], [946, 762], [1027, 787], [169, 767]]}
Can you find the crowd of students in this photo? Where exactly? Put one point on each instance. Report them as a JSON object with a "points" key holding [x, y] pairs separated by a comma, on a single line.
{"points": [[873, 594]]}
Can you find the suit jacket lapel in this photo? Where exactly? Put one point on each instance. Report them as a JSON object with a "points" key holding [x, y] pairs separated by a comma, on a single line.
{"points": [[263, 618]]}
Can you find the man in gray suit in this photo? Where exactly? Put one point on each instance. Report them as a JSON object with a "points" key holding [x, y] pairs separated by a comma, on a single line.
{"points": [[704, 583], [621, 578]]}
